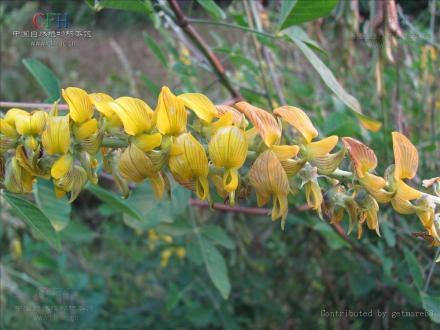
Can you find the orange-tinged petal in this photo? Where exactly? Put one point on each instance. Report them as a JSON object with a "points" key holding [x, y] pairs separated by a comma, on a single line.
{"points": [[268, 177], [298, 119], [238, 118], [364, 158], [406, 157], [321, 148], [263, 121], [313, 195], [200, 104], [80, 104], [404, 191]]}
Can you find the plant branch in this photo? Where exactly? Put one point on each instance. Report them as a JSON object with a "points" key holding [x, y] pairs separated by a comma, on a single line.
{"points": [[183, 22]]}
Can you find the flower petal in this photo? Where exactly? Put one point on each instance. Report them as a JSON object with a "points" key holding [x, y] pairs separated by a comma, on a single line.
{"points": [[285, 152], [80, 104], [263, 121], [228, 147], [147, 142], [135, 114], [102, 101], [406, 157], [170, 113], [238, 118], [61, 166], [364, 158], [298, 119], [200, 104], [321, 148]]}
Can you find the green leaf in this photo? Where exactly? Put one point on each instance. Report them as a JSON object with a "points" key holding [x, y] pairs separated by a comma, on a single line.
{"points": [[56, 209], [132, 5], [45, 77], [153, 211], [331, 82], [212, 8], [431, 306], [414, 268], [218, 236], [216, 267], [154, 47], [300, 11], [333, 240], [298, 33], [34, 218], [114, 201]]}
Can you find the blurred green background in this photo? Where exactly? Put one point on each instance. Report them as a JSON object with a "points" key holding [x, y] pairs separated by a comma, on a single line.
{"points": [[171, 270]]}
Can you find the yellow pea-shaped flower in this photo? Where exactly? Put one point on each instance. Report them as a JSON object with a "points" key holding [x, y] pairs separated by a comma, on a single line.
{"points": [[228, 149], [56, 136], [30, 123], [170, 113], [136, 115], [268, 178], [80, 104], [188, 163]]}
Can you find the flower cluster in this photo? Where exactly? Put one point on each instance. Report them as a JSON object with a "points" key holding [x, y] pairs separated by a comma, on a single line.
{"points": [[228, 151]]}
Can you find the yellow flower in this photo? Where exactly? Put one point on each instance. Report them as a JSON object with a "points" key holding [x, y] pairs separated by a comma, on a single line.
{"points": [[364, 160], [200, 104], [269, 130], [170, 113], [17, 179], [238, 119], [30, 123], [368, 213], [136, 116], [165, 257], [188, 163], [61, 166], [317, 152], [80, 104], [135, 165], [7, 124], [71, 181], [102, 101], [56, 136], [268, 178], [180, 252], [228, 149], [406, 160]]}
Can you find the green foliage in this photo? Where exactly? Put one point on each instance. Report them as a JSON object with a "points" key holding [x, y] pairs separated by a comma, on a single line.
{"points": [[295, 12], [34, 218], [45, 77]]}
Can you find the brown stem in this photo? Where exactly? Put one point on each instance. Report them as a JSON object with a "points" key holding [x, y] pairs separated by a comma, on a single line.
{"points": [[182, 21]]}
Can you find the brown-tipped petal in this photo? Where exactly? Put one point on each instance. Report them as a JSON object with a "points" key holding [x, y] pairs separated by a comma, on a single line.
{"points": [[406, 157], [298, 119], [238, 118], [364, 158], [263, 121]]}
